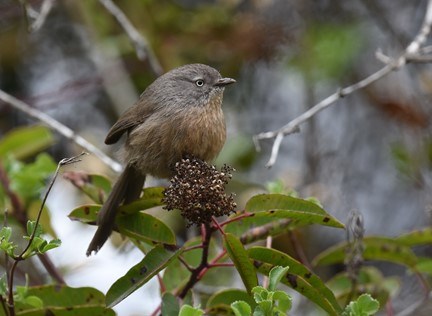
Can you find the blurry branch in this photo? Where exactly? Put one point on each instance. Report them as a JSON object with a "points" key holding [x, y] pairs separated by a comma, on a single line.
{"points": [[22, 256], [413, 53], [60, 128], [39, 18], [142, 47]]}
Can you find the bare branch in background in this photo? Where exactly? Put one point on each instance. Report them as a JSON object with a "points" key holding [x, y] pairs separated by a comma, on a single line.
{"points": [[60, 128], [42, 15], [412, 53], [142, 48]]}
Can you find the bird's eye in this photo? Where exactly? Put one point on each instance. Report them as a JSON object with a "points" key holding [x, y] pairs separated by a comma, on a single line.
{"points": [[199, 82]]}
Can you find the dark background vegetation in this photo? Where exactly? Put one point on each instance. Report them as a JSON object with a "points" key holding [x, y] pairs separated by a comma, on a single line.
{"points": [[371, 151]]}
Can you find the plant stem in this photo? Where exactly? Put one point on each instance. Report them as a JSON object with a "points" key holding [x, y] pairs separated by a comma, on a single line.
{"points": [[198, 272]]}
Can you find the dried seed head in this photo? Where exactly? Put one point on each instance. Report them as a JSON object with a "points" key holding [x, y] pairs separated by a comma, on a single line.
{"points": [[197, 189]]}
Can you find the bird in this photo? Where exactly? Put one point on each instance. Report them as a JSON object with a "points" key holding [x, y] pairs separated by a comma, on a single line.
{"points": [[179, 114]]}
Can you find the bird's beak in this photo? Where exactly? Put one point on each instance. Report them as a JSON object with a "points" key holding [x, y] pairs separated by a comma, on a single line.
{"points": [[224, 82]]}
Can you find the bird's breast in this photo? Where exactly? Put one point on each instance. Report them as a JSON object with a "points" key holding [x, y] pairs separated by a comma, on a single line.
{"points": [[162, 140]]}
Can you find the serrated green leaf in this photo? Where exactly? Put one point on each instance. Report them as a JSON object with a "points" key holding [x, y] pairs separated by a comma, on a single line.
{"points": [[25, 142], [283, 301], [241, 261], [299, 277], [275, 275], [365, 305], [260, 294], [375, 248], [241, 308], [145, 227], [156, 260], [187, 310]]}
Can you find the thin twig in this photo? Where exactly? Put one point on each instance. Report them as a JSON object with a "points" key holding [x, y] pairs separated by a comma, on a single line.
{"points": [[41, 17], [60, 128], [411, 54], [141, 45], [203, 266], [6, 265], [269, 241], [63, 162]]}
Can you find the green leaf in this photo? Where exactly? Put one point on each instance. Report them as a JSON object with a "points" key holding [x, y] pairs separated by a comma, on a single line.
{"points": [[62, 300], [188, 310], [268, 208], [370, 280], [365, 305], [275, 275], [33, 301], [241, 261], [264, 308], [145, 227], [303, 212], [5, 244], [96, 187], [299, 278], [45, 218], [260, 294], [375, 248], [28, 180], [151, 197], [3, 285], [241, 308], [416, 237], [226, 297], [51, 245], [424, 266], [5, 233], [25, 142], [283, 301], [170, 305], [31, 227], [156, 260], [85, 213]]}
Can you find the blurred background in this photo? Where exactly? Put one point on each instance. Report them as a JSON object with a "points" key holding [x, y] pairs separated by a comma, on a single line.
{"points": [[371, 151]]}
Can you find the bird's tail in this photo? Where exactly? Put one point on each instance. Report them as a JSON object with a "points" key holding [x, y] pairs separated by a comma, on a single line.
{"points": [[127, 189]]}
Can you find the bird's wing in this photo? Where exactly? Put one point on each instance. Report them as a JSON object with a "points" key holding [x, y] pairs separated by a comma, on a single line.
{"points": [[133, 117]]}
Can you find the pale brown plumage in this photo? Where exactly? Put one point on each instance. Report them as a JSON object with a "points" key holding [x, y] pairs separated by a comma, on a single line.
{"points": [[178, 114]]}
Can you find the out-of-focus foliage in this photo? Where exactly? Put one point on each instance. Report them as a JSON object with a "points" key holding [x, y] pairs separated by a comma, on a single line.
{"points": [[328, 51], [285, 54]]}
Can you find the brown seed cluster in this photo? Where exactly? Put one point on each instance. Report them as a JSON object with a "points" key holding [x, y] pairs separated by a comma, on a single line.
{"points": [[197, 189]]}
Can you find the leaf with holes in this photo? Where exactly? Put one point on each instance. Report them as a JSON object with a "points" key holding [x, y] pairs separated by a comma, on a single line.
{"points": [[156, 260]]}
